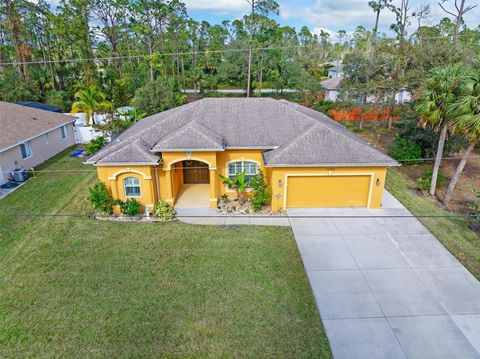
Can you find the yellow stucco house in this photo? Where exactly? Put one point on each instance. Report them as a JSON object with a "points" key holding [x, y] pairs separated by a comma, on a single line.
{"points": [[308, 159]]}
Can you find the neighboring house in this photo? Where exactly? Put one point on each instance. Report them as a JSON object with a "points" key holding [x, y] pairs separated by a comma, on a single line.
{"points": [[332, 90], [40, 106], [308, 159], [29, 136], [335, 71]]}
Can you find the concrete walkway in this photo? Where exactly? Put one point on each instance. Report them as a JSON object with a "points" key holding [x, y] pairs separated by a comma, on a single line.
{"points": [[385, 287]]}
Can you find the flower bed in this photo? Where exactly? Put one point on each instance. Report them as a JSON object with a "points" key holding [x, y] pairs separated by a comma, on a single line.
{"points": [[244, 207]]}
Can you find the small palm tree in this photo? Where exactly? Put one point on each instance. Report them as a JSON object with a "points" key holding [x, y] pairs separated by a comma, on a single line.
{"points": [[466, 122], [90, 100], [237, 183], [439, 93]]}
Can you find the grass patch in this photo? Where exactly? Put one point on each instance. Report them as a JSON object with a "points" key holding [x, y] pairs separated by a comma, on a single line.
{"points": [[76, 287], [454, 233]]}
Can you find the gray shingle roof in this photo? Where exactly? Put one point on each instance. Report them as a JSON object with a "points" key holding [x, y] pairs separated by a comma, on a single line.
{"points": [[192, 136], [332, 84], [291, 134], [19, 123]]}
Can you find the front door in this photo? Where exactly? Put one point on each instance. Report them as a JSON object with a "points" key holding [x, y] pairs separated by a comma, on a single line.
{"points": [[195, 172]]}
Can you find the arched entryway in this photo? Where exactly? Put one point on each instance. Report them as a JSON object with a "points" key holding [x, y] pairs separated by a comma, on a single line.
{"points": [[191, 184], [195, 172]]}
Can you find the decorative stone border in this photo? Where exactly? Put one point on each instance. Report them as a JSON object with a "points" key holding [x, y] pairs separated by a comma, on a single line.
{"points": [[135, 219]]}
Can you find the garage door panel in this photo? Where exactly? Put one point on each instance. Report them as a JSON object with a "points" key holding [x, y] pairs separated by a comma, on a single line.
{"points": [[327, 191]]}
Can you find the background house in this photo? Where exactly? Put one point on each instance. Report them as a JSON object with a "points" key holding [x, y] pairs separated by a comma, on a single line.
{"points": [[333, 92], [30, 136]]}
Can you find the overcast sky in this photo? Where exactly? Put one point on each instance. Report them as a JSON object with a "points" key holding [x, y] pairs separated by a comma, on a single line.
{"points": [[331, 15]]}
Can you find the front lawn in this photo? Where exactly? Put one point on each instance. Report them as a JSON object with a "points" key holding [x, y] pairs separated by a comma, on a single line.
{"points": [[76, 287]]}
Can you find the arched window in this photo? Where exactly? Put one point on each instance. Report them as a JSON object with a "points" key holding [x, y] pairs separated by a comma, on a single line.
{"points": [[250, 168], [132, 187]]}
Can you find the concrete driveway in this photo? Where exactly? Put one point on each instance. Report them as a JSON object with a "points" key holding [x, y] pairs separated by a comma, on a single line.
{"points": [[385, 287]]}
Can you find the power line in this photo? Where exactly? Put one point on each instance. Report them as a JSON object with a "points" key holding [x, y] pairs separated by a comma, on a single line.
{"points": [[93, 216], [148, 55], [127, 57], [34, 171]]}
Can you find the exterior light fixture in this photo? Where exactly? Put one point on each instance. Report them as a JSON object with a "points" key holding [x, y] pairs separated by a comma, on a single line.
{"points": [[378, 182], [280, 183]]}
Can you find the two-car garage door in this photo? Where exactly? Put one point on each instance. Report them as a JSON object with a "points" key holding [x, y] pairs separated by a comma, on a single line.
{"points": [[327, 191]]}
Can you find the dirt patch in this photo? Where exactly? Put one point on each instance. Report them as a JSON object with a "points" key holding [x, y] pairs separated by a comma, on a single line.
{"points": [[382, 138]]}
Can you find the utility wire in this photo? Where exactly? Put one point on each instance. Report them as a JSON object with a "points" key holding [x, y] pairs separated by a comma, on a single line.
{"points": [[459, 216], [148, 55], [127, 57], [188, 168]]}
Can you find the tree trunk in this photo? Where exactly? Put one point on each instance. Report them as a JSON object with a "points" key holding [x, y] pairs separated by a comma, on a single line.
{"points": [[458, 172], [249, 70], [150, 61], [438, 159], [390, 104], [458, 21], [375, 30], [261, 75], [183, 75]]}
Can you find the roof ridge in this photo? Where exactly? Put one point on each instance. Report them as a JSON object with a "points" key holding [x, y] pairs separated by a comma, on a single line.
{"points": [[199, 129]]}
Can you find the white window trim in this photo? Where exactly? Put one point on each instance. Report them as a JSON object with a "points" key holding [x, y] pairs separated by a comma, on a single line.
{"points": [[66, 131], [248, 189], [125, 188], [29, 147]]}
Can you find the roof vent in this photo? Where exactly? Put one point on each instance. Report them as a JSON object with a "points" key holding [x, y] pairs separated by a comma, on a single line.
{"points": [[34, 118]]}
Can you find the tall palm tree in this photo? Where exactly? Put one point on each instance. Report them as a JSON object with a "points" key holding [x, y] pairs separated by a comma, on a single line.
{"points": [[90, 100], [466, 122], [439, 93]]}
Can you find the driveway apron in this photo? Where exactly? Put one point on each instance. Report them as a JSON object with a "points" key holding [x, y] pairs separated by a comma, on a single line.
{"points": [[385, 287]]}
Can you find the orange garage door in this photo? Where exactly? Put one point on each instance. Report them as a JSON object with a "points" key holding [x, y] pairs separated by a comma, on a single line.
{"points": [[327, 191]]}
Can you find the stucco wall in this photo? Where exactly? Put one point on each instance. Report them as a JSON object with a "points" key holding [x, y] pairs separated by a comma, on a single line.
{"points": [[170, 180], [41, 151], [113, 177], [224, 158]]}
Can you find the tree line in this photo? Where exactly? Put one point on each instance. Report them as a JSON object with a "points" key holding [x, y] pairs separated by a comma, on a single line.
{"points": [[124, 46]]}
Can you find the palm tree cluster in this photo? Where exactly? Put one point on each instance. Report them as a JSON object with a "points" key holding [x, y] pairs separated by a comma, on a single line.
{"points": [[450, 104], [90, 101]]}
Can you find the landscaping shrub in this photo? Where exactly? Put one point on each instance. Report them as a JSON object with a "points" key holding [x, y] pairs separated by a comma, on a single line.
{"points": [[325, 106], [423, 183], [426, 138], [238, 183], [163, 211], [100, 198], [130, 207], [224, 197], [261, 193], [95, 144], [403, 149]]}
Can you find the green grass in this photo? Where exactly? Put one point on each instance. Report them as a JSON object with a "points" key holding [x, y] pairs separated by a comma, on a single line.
{"points": [[76, 287], [454, 233]]}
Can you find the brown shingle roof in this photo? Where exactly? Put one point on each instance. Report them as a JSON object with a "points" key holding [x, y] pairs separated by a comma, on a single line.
{"points": [[20, 123]]}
